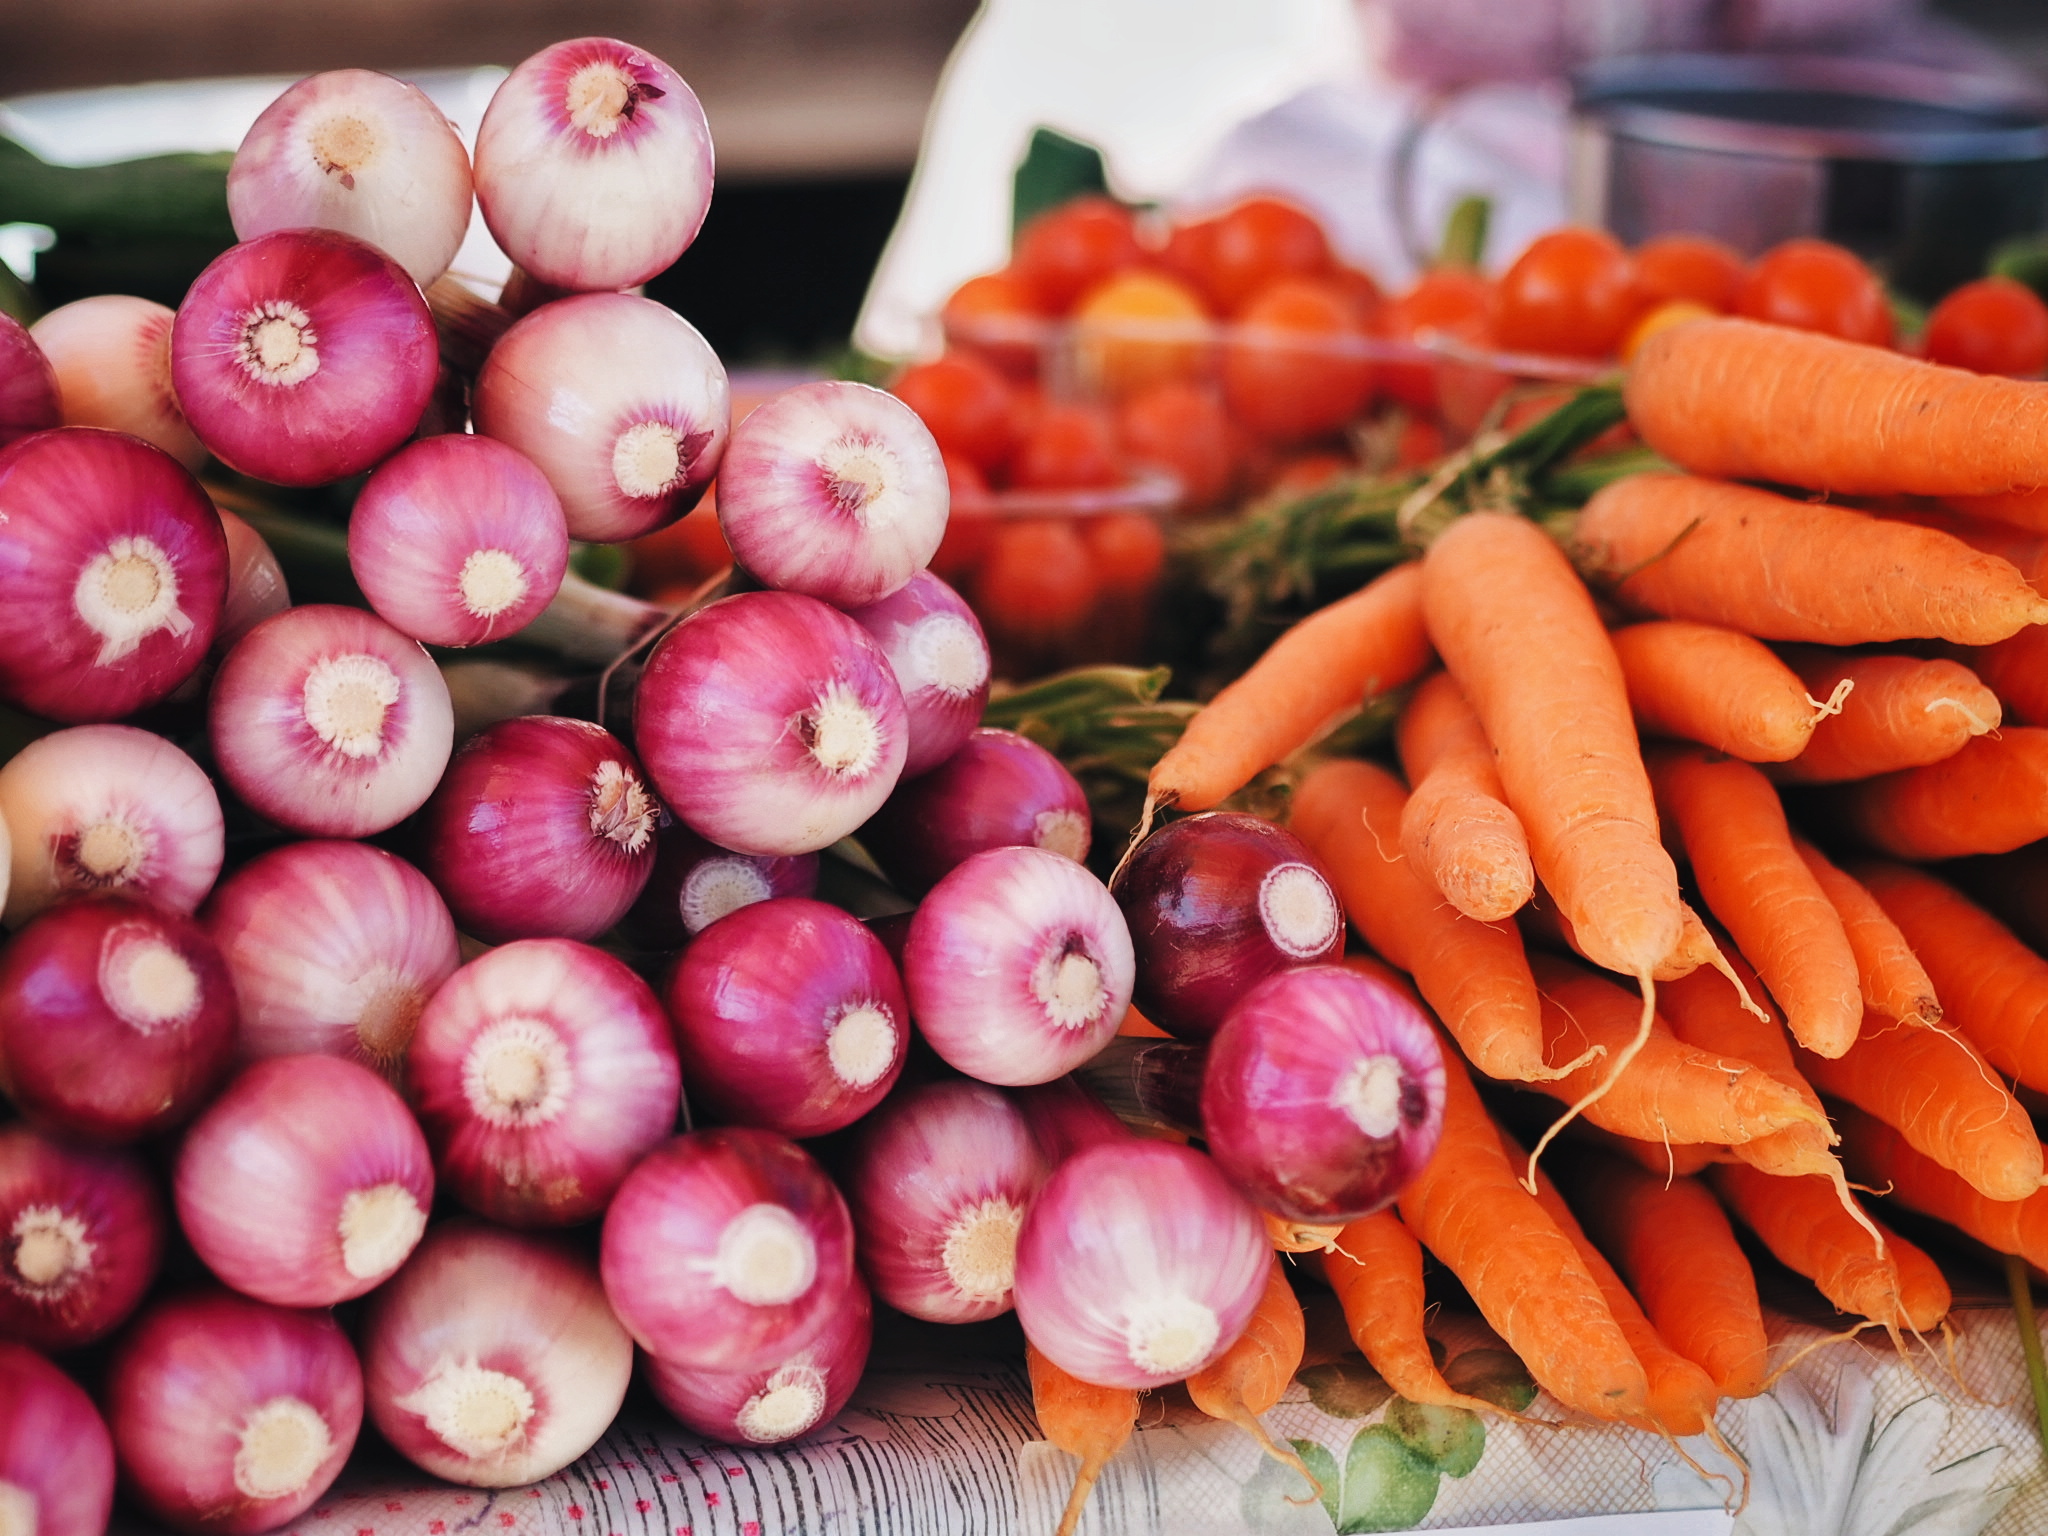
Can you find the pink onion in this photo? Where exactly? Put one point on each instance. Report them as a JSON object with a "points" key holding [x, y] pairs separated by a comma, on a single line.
{"points": [[458, 540], [111, 354], [229, 1416], [542, 1072], [81, 1237], [938, 1183], [593, 165], [335, 948], [353, 150], [108, 808], [1018, 966], [789, 1015], [771, 723], [779, 1402], [835, 490], [620, 402], [116, 1019], [998, 790], [256, 586], [1138, 1264], [305, 1183], [727, 1250], [28, 384], [56, 1458], [541, 826], [492, 1359], [940, 656], [116, 571], [696, 882], [1217, 903], [330, 722], [302, 356]]}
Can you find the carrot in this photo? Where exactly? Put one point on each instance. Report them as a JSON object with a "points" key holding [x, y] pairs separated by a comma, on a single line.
{"points": [[1808, 1232], [2016, 670], [1472, 974], [1762, 402], [1991, 797], [1673, 1160], [1543, 922], [1734, 831], [1944, 1097], [1898, 712], [1895, 983], [1672, 1243], [1376, 1271], [1924, 1293], [1794, 570], [1083, 1420], [1333, 660], [1298, 1236], [1248, 1378], [2026, 551], [1456, 827], [2018, 509], [1700, 682], [1880, 1157]]}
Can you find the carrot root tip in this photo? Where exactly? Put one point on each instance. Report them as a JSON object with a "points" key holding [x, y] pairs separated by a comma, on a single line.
{"points": [[1834, 702]]}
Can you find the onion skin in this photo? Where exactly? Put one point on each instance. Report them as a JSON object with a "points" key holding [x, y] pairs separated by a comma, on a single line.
{"points": [[541, 826], [81, 1238], [619, 1082], [1138, 1264], [997, 790], [940, 656], [778, 1403], [109, 1067], [789, 1015], [1323, 1095], [29, 401], [182, 1390], [1066, 1118], [696, 882], [660, 1253], [512, 1303], [1216, 903], [54, 1447], [78, 508], [111, 356], [256, 585], [730, 707]]}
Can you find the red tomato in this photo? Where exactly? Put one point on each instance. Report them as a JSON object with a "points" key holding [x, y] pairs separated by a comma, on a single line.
{"points": [[1688, 267], [1286, 374], [1064, 252], [1251, 247], [997, 316], [968, 405], [1129, 551], [1812, 285], [1139, 329], [1181, 428], [1993, 325], [1307, 472], [1068, 447], [1572, 293], [1358, 286], [1037, 583], [1451, 301], [970, 522]]}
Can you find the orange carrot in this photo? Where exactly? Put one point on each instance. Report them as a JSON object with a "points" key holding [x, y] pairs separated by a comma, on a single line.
{"points": [[1376, 1271], [1763, 402], [1542, 922], [1881, 1158], [1457, 828], [1673, 1160], [1991, 797], [2019, 509], [2016, 670], [1924, 1294], [1298, 1236], [1248, 1378], [1895, 983], [1807, 1230], [2026, 551], [1702, 683], [1734, 831], [1794, 570], [1899, 712], [1326, 665], [1083, 1420]]}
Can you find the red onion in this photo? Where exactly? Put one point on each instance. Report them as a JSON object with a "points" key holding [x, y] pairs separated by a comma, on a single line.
{"points": [[940, 656], [789, 1015], [305, 1183], [771, 723], [1323, 1095], [56, 1458], [542, 1072], [727, 1250], [778, 1402], [1217, 903], [81, 1237], [330, 722], [1018, 966], [111, 355], [999, 790], [256, 587], [620, 401], [696, 882], [335, 948], [835, 490], [541, 826], [232, 1417], [116, 1019], [302, 356], [360, 152], [938, 1183], [492, 1359], [28, 384], [116, 571], [458, 540], [1138, 1264], [108, 808], [593, 165]]}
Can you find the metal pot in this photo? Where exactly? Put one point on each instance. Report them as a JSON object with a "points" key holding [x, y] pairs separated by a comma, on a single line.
{"points": [[1920, 171]]}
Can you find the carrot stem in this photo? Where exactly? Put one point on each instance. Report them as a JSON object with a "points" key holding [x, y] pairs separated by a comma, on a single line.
{"points": [[2030, 1340]]}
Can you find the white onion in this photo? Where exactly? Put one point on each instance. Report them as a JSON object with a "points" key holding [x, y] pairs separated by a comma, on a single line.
{"points": [[112, 356]]}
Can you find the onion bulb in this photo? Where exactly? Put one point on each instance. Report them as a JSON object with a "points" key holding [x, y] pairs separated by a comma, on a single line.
{"points": [[780, 1402], [56, 1458], [112, 356], [81, 1237]]}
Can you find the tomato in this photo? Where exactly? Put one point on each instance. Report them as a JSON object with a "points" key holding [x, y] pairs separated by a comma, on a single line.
{"points": [[1064, 252], [1069, 447], [1037, 583], [968, 405], [997, 316], [1286, 373], [1421, 442], [1358, 286], [1572, 293], [1688, 267], [1307, 472], [1993, 325], [1662, 318], [1181, 428], [1116, 333], [970, 522], [1451, 301], [1129, 551], [1812, 285], [1250, 247]]}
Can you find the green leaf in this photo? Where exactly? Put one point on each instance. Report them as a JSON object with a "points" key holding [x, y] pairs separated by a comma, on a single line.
{"points": [[1345, 1389], [1322, 1467], [2024, 260], [1494, 1376], [1449, 1439], [1386, 1486], [163, 196], [1055, 169], [603, 565]]}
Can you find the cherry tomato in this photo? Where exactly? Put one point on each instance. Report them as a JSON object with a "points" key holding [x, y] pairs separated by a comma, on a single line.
{"points": [[1181, 428], [997, 316], [970, 523], [1307, 472], [1286, 373], [1812, 285], [1451, 301], [1129, 551], [1358, 286], [1117, 328], [1252, 246], [1572, 293], [1037, 583], [1421, 442], [1688, 267], [1993, 325], [1070, 447], [1064, 252], [966, 402]]}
